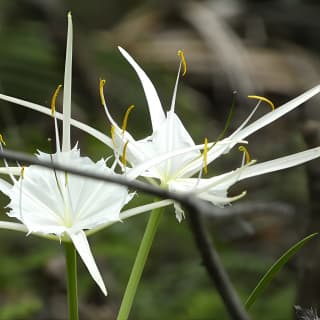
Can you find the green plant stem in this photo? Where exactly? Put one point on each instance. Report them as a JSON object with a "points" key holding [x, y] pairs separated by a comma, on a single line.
{"points": [[72, 288], [139, 264]]}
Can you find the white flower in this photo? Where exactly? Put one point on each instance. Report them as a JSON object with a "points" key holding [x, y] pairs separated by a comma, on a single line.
{"points": [[60, 205], [171, 156], [55, 203]]}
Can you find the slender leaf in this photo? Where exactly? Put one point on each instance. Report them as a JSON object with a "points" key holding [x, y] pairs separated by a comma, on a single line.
{"points": [[271, 273]]}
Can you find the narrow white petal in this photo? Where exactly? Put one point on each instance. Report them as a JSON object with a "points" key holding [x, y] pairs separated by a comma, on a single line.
{"points": [[11, 170], [155, 108], [221, 200], [5, 187], [80, 241], [280, 163], [213, 189], [172, 136], [13, 226], [33, 106], [174, 96], [277, 113], [141, 168], [67, 89], [223, 181], [215, 152], [147, 207], [132, 212]]}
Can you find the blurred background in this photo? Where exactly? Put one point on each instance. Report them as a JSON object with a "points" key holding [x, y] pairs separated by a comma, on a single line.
{"points": [[268, 48]]}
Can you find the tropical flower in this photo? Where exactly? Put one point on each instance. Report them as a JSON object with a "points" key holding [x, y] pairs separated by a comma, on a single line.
{"points": [[170, 158], [63, 206], [170, 155]]}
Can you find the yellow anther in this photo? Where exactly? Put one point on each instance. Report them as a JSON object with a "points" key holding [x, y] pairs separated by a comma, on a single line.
{"points": [[113, 134], [269, 102], [2, 140], [124, 154], [180, 53], [102, 82], [205, 156], [125, 119], [54, 99], [246, 153], [22, 172]]}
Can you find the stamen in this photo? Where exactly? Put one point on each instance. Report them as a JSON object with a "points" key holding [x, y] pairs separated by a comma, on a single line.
{"points": [[102, 82], [246, 153], [54, 99], [230, 114], [2, 140], [205, 156], [180, 53], [125, 119], [124, 154], [269, 102], [22, 172], [113, 134], [228, 121]]}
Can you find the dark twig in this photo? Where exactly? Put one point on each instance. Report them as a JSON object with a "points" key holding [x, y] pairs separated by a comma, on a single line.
{"points": [[254, 208], [308, 293], [26, 159], [195, 206], [186, 199], [215, 269]]}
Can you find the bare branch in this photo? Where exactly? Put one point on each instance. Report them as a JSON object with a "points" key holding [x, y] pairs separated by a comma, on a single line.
{"points": [[215, 269], [186, 199], [248, 208]]}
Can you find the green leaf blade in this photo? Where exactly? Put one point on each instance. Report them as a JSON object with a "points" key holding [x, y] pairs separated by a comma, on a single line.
{"points": [[275, 268]]}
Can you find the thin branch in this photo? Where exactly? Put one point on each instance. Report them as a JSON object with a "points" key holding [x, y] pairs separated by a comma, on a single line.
{"points": [[254, 208], [186, 199], [215, 269]]}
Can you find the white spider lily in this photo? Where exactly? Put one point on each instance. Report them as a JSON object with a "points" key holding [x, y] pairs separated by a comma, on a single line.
{"points": [[63, 206], [170, 155], [215, 189], [55, 203], [169, 135]]}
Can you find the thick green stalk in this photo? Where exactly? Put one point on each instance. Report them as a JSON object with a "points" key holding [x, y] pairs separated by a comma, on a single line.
{"points": [[72, 288], [139, 264]]}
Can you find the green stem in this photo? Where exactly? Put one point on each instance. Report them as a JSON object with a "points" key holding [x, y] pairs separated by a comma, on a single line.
{"points": [[139, 264], [72, 288]]}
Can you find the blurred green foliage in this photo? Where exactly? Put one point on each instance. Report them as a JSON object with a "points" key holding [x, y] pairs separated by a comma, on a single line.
{"points": [[175, 284]]}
